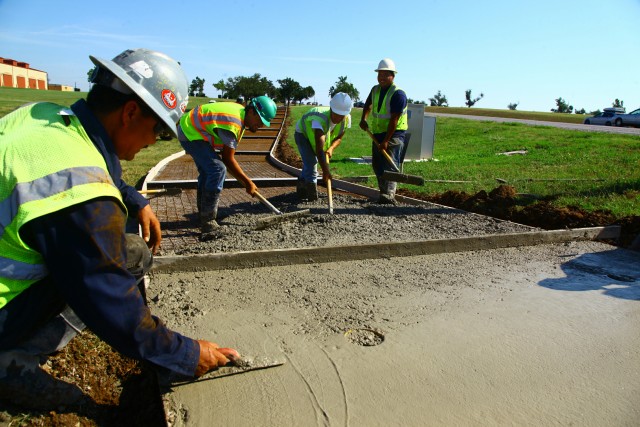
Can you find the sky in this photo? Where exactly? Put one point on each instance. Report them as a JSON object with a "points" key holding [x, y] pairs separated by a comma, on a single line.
{"points": [[526, 52]]}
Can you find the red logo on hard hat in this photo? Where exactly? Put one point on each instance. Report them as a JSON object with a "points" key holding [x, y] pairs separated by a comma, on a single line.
{"points": [[169, 99]]}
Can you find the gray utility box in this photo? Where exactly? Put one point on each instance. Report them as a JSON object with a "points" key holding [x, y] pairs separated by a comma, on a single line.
{"points": [[423, 134]]}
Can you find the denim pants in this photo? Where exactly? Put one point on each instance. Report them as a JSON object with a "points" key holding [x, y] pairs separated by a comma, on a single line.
{"points": [[50, 323], [211, 170], [380, 164], [309, 160]]}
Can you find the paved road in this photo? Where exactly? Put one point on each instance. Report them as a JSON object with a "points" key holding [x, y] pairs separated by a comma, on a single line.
{"points": [[588, 128]]}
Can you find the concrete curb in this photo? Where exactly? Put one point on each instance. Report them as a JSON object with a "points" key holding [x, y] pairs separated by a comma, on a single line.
{"points": [[279, 257]]}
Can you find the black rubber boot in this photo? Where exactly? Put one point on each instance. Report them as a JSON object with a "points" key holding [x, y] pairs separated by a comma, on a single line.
{"points": [[301, 191], [209, 228], [311, 189]]}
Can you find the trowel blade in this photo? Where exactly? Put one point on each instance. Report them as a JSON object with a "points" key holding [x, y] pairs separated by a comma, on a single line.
{"points": [[244, 364]]}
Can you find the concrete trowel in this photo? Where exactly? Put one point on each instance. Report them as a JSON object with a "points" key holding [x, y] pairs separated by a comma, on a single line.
{"points": [[237, 366]]}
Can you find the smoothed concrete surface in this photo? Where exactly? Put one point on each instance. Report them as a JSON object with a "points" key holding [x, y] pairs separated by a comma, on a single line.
{"points": [[543, 335]]}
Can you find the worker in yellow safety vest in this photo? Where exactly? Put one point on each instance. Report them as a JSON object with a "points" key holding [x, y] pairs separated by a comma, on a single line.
{"points": [[318, 133], [386, 106], [210, 134], [66, 260]]}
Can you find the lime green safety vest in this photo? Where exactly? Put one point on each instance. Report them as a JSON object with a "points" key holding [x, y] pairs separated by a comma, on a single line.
{"points": [[323, 116], [45, 166], [380, 118], [201, 122]]}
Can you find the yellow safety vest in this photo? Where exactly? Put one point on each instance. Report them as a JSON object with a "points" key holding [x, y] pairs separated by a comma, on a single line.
{"points": [[46, 166], [201, 122], [380, 118], [323, 116]]}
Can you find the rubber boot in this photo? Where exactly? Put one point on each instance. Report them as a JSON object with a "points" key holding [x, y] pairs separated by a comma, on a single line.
{"points": [[208, 213], [311, 189], [387, 192], [301, 191]]}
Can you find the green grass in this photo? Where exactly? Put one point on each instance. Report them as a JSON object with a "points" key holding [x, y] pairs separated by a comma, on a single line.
{"points": [[592, 170]]}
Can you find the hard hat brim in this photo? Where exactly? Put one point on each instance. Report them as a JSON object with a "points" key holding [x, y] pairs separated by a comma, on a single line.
{"points": [[132, 84]]}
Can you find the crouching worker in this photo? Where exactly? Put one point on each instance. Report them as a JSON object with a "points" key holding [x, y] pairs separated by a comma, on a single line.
{"points": [[318, 133], [210, 133], [65, 259]]}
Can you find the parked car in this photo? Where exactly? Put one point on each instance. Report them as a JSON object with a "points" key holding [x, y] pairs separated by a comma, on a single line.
{"points": [[359, 104], [615, 117]]}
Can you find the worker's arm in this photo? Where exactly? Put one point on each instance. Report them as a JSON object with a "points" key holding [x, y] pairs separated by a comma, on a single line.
{"points": [[393, 122], [365, 113], [84, 251], [334, 144], [320, 139], [233, 167]]}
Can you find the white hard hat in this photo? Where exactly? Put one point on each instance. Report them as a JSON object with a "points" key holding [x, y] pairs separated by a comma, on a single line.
{"points": [[341, 104], [156, 78], [386, 65]]}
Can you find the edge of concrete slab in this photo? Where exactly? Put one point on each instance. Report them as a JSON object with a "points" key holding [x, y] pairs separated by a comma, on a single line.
{"points": [[279, 257]]}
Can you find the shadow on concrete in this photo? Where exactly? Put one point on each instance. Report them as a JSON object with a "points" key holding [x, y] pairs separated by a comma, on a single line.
{"points": [[615, 273]]}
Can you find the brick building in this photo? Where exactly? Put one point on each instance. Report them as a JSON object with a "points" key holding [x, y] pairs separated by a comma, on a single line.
{"points": [[18, 74]]}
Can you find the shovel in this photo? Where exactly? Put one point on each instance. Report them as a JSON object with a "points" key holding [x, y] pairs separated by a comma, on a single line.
{"points": [[329, 189], [395, 176], [279, 216]]}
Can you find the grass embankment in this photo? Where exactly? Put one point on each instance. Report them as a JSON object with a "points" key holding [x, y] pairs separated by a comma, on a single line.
{"points": [[591, 170]]}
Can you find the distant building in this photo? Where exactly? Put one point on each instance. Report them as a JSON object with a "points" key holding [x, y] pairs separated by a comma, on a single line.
{"points": [[62, 88], [18, 74]]}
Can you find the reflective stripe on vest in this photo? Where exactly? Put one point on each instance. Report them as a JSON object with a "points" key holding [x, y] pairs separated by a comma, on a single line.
{"points": [[380, 117], [322, 115], [49, 166], [201, 122]]}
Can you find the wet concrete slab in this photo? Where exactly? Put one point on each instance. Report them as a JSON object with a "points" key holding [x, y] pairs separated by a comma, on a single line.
{"points": [[543, 335]]}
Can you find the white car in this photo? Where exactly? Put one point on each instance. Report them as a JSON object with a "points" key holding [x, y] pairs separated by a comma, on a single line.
{"points": [[615, 117]]}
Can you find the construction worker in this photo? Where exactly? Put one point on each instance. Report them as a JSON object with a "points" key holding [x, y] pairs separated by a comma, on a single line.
{"points": [[65, 259], [318, 133], [210, 133], [387, 105]]}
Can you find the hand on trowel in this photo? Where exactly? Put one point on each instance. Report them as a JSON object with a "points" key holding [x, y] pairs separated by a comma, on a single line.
{"points": [[217, 362]]}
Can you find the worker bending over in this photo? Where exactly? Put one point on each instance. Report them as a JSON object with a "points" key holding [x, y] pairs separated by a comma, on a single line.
{"points": [[210, 133], [387, 106], [318, 133], [65, 259]]}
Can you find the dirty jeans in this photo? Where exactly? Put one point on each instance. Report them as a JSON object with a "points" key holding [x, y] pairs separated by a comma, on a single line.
{"points": [[380, 163], [309, 160], [211, 170], [53, 324]]}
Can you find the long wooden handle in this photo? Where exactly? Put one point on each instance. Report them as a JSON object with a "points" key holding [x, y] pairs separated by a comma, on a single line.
{"points": [[329, 189], [267, 203], [384, 152]]}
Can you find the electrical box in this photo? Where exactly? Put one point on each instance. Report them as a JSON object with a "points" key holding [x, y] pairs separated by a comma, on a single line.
{"points": [[423, 133]]}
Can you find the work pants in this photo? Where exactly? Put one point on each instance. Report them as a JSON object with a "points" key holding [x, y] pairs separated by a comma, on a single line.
{"points": [[307, 152], [380, 164], [211, 170]]}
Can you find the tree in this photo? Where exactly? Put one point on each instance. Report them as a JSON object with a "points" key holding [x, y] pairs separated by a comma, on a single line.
{"points": [[288, 89], [222, 87], [90, 74], [581, 111], [563, 107], [471, 102], [618, 104], [304, 93], [196, 88], [439, 100], [513, 105], [342, 85]]}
